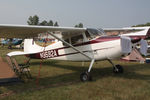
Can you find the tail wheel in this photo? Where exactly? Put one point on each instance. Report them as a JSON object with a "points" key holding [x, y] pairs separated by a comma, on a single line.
{"points": [[118, 69], [85, 76]]}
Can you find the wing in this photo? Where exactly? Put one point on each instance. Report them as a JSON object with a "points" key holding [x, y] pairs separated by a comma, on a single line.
{"points": [[131, 29], [127, 31], [28, 31]]}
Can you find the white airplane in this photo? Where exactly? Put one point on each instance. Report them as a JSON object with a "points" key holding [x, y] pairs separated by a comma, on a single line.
{"points": [[76, 44]]}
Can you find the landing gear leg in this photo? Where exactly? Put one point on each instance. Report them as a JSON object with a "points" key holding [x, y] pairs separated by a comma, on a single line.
{"points": [[85, 76], [116, 68]]}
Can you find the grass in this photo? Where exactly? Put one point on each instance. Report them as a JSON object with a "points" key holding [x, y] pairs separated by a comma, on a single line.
{"points": [[59, 80]]}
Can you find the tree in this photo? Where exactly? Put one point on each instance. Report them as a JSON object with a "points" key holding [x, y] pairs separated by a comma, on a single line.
{"points": [[44, 23], [30, 20], [80, 25], [50, 23], [33, 20], [141, 25], [56, 24]]}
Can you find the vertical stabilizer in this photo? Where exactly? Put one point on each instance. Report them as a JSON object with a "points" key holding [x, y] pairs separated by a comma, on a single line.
{"points": [[31, 47]]}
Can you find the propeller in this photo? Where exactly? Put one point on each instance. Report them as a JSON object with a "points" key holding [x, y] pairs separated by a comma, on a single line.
{"points": [[144, 47], [127, 44]]}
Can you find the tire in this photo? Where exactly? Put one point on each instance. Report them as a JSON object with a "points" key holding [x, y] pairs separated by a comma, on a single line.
{"points": [[120, 69], [85, 76]]}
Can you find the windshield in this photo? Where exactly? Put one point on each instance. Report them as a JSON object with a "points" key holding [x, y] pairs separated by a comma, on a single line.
{"points": [[94, 33]]}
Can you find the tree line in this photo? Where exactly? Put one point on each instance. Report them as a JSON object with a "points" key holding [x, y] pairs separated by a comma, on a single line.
{"points": [[34, 20], [142, 25]]}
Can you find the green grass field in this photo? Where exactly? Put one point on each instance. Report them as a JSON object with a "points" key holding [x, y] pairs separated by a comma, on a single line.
{"points": [[59, 80]]}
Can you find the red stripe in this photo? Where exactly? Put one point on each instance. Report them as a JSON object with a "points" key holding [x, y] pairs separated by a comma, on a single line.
{"points": [[37, 55]]}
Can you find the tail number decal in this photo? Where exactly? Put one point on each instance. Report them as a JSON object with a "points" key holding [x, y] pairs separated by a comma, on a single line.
{"points": [[48, 54]]}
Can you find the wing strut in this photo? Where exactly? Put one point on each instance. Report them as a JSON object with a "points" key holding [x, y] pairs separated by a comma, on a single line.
{"points": [[68, 44], [85, 76]]}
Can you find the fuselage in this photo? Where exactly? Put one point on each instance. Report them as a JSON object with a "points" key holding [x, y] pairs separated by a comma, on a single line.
{"points": [[100, 48]]}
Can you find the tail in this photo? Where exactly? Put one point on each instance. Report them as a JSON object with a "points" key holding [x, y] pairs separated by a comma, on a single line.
{"points": [[31, 47]]}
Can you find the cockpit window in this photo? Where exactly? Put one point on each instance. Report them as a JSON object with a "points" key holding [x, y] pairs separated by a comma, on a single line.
{"points": [[93, 33], [88, 36], [77, 39]]}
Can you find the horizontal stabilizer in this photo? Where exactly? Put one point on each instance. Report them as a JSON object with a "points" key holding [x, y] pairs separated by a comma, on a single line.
{"points": [[18, 53]]}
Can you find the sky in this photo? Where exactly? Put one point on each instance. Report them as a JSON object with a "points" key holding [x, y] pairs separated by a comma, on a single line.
{"points": [[92, 13]]}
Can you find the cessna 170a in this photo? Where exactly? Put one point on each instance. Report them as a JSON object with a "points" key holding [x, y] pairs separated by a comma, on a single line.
{"points": [[75, 44]]}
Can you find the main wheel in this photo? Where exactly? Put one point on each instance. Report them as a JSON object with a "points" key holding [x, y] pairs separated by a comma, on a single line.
{"points": [[118, 69], [85, 76]]}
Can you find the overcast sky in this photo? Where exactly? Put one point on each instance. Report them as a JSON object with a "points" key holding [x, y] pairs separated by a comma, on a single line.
{"points": [[92, 13]]}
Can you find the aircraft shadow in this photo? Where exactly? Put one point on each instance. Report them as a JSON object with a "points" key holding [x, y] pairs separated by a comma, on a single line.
{"points": [[74, 77], [99, 72]]}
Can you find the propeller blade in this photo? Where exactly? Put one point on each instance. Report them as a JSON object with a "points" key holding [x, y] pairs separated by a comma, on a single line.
{"points": [[126, 45], [144, 47]]}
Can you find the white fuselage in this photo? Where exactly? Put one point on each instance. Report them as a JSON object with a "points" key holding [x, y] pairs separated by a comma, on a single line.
{"points": [[98, 51]]}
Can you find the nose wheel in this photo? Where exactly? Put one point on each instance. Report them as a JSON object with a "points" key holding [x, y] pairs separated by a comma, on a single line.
{"points": [[118, 69]]}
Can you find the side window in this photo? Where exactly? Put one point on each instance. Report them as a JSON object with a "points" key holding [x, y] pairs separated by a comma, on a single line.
{"points": [[88, 36], [77, 39], [67, 40]]}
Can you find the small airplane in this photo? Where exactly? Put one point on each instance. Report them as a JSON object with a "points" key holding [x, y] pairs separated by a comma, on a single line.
{"points": [[75, 44], [11, 42]]}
